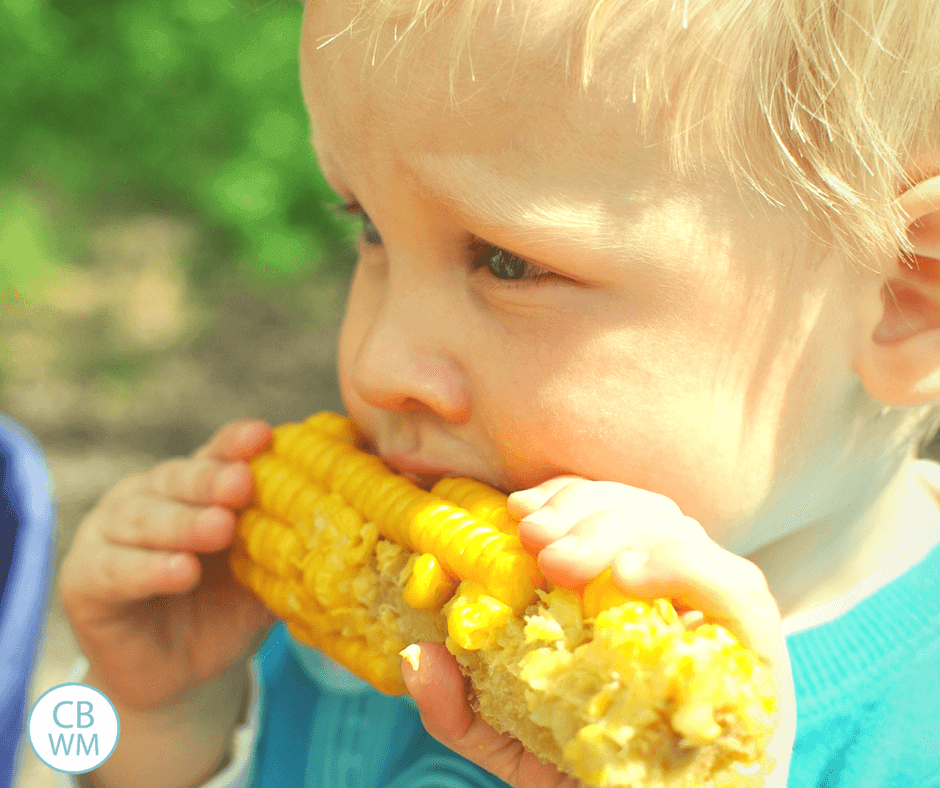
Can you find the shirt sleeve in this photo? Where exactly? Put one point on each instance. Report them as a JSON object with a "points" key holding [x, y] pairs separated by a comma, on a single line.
{"points": [[238, 771]]}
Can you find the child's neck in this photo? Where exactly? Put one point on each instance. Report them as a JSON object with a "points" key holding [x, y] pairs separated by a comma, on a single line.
{"points": [[820, 571]]}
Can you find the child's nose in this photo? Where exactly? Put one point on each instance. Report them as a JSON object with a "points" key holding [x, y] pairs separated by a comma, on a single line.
{"points": [[404, 362]]}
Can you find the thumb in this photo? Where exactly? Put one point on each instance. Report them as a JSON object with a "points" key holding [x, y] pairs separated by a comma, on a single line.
{"points": [[439, 690]]}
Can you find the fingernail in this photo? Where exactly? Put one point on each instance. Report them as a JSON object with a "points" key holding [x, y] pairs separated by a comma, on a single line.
{"points": [[630, 562], [527, 500], [413, 654], [541, 517]]}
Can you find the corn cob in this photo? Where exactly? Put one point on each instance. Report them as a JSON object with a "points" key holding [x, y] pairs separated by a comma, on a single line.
{"points": [[618, 691]]}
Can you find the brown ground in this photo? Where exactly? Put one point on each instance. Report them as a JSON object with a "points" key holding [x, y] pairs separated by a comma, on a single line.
{"points": [[119, 366]]}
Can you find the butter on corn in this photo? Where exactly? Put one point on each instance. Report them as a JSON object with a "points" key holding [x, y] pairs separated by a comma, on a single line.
{"points": [[618, 691]]}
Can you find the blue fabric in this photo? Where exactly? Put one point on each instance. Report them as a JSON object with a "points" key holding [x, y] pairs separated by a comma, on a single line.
{"points": [[286, 715], [27, 550], [7, 528], [868, 690], [315, 737], [867, 685]]}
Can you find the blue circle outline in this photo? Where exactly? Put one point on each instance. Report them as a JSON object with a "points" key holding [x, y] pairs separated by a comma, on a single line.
{"points": [[74, 684]]}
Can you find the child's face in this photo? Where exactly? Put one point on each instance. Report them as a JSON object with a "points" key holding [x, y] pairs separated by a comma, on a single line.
{"points": [[666, 349]]}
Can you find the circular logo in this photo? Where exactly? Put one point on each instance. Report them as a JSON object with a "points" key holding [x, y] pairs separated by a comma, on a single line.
{"points": [[73, 728]]}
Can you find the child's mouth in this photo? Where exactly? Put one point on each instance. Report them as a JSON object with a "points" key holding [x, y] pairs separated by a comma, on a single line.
{"points": [[420, 474], [423, 480], [424, 475]]}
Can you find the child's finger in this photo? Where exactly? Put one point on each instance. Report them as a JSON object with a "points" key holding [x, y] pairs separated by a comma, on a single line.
{"points": [[672, 558], [154, 523], [121, 575], [241, 439], [728, 589], [203, 481], [589, 546], [578, 500], [524, 502], [439, 690]]}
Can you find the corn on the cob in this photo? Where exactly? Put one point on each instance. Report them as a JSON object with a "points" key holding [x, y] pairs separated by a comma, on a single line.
{"points": [[617, 691]]}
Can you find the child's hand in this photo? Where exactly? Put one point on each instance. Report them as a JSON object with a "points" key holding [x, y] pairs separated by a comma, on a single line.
{"points": [[654, 551], [146, 585]]}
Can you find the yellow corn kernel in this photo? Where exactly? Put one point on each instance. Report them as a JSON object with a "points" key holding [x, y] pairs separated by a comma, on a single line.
{"points": [[278, 482], [474, 618], [334, 425], [316, 492], [429, 585], [277, 593], [321, 508], [271, 543], [589, 749], [419, 521], [477, 551], [602, 594], [361, 563], [478, 499]]}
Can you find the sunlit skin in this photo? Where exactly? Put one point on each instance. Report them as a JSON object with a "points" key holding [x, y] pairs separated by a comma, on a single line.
{"points": [[657, 350], [679, 362], [665, 350], [662, 371]]}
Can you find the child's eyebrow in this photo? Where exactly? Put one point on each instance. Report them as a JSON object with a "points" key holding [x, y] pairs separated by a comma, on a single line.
{"points": [[484, 196], [504, 211]]}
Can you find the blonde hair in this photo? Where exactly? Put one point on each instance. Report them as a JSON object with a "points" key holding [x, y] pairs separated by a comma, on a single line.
{"points": [[831, 103], [831, 107]]}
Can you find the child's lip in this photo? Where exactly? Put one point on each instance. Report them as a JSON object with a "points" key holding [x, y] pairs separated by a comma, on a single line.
{"points": [[422, 472], [423, 480], [406, 464], [426, 473]]}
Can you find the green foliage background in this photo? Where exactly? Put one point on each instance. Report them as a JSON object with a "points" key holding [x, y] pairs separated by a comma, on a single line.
{"points": [[185, 107]]}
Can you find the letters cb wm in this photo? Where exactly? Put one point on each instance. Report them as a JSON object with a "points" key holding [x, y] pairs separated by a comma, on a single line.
{"points": [[73, 728]]}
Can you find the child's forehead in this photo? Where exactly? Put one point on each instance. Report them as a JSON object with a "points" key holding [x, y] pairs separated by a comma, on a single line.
{"points": [[514, 113], [751, 90], [462, 66], [520, 144], [521, 167]]}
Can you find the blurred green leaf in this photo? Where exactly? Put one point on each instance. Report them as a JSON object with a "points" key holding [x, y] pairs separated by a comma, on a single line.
{"points": [[277, 134], [26, 255], [248, 189], [190, 108]]}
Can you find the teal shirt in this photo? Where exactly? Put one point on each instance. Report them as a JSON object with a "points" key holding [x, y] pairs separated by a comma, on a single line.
{"points": [[868, 690], [867, 687]]}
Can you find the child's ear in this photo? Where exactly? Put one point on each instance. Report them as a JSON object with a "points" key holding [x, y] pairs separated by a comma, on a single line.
{"points": [[899, 361]]}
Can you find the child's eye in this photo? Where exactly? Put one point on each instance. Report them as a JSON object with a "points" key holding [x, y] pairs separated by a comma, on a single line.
{"points": [[505, 266], [369, 231]]}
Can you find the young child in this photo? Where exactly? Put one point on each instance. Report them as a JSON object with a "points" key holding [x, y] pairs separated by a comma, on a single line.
{"points": [[669, 273]]}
